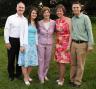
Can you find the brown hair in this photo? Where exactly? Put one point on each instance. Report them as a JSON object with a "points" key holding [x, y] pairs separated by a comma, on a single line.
{"points": [[29, 16], [77, 2], [45, 8], [61, 7]]}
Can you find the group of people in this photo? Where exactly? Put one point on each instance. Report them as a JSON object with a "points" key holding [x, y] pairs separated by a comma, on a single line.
{"points": [[30, 43]]}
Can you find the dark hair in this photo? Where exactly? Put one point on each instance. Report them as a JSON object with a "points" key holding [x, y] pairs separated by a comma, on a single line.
{"points": [[61, 7], [77, 2], [29, 16]]}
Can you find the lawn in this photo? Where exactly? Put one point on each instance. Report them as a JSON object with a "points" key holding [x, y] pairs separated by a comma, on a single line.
{"points": [[89, 78]]}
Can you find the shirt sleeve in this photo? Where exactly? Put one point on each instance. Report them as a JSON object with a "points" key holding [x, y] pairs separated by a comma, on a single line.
{"points": [[7, 30], [24, 34], [89, 31]]}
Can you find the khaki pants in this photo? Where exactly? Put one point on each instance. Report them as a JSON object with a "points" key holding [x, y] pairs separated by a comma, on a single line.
{"points": [[78, 54]]}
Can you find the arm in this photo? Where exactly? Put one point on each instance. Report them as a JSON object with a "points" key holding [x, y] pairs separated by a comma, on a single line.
{"points": [[88, 27], [26, 34], [23, 36], [70, 38], [6, 33], [54, 25]]}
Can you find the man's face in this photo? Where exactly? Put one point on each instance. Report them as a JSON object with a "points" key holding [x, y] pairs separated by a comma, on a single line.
{"points": [[76, 8], [20, 8]]}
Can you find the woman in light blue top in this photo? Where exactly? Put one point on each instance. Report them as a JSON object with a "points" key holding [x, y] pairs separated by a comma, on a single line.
{"points": [[28, 57]]}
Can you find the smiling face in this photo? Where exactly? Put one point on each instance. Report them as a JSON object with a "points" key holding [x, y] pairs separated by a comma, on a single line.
{"points": [[20, 8], [46, 14], [33, 14], [60, 12], [76, 8]]}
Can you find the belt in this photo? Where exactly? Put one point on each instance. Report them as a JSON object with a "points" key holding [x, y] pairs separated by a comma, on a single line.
{"points": [[79, 41], [14, 38]]}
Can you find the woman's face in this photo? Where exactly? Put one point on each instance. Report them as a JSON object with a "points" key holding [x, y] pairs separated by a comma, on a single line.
{"points": [[33, 15], [46, 14], [60, 12]]}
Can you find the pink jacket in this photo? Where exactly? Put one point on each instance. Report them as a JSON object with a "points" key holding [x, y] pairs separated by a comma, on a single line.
{"points": [[45, 36]]}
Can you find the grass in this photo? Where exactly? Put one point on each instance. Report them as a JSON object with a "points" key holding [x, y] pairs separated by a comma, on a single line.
{"points": [[89, 78]]}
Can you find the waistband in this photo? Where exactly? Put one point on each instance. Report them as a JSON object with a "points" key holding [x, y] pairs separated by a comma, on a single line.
{"points": [[79, 41]]}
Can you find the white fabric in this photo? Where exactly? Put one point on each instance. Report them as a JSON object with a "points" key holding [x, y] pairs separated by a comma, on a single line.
{"points": [[16, 27], [46, 25]]}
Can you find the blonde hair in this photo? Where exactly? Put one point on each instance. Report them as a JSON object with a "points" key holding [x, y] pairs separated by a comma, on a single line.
{"points": [[45, 8]]}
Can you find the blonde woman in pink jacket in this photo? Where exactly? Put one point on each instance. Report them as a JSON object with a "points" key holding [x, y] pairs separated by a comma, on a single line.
{"points": [[45, 39]]}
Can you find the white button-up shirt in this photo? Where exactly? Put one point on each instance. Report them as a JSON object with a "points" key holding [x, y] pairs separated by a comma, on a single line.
{"points": [[16, 27]]}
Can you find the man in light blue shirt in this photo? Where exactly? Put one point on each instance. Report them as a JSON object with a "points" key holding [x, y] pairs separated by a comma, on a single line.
{"points": [[82, 41], [82, 29]]}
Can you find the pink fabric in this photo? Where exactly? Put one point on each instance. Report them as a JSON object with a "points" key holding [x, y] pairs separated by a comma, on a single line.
{"points": [[62, 41], [45, 36]]}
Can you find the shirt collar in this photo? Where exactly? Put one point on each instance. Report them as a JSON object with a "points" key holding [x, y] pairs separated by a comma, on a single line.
{"points": [[79, 15], [19, 16]]}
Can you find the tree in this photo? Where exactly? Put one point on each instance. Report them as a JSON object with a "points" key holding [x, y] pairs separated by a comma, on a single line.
{"points": [[7, 7]]}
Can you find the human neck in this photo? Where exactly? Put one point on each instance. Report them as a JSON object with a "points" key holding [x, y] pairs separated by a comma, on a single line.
{"points": [[62, 17], [20, 15], [77, 14], [46, 20]]}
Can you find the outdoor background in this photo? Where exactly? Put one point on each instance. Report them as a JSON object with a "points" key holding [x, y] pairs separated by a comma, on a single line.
{"points": [[7, 7]]}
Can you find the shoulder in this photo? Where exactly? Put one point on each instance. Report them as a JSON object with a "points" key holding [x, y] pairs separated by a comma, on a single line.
{"points": [[11, 17], [57, 20], [73, 18], [25, 19], [39, 22], [52, 21], [68, 19], [85, 16]]}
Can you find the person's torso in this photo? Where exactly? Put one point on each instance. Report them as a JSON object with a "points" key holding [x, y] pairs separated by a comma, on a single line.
{"points": [[79, 31], [32, 32], [62, 30], [46, 35], [16, 24]]}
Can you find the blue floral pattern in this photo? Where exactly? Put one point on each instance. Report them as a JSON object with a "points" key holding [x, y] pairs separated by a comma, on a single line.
{"points": [[29, 57]]}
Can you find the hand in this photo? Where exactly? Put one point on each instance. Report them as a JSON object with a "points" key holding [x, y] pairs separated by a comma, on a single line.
{"points": [[68, 49], [57, 45], [8, 45], [22, 49], [60, 38], [59, 29], [90, 49]]}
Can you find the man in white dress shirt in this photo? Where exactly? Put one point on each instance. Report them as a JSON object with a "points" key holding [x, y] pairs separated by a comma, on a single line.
{"points": [[15, 36]]}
